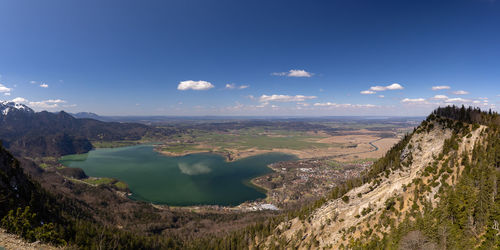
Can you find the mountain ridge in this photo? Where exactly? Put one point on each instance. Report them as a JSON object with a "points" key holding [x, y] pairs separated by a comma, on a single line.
{"points": [[366, 200], [54, 134]]}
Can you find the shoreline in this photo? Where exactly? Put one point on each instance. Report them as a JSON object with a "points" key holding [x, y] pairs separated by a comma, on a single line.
{"points": [[245, 206]]}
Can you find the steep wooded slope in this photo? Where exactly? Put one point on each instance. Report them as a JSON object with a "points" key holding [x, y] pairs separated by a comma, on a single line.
{"points": [[436, 189]]}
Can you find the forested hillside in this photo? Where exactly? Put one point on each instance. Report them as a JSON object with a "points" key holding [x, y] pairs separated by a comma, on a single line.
{"points": [[28, 133], [27, 210]]}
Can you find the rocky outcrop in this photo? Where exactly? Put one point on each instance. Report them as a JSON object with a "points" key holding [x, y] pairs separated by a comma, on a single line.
{"points": [[340, 221]]}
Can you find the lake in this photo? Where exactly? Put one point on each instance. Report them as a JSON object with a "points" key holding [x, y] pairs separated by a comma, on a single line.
{"points": [[195, 179]]}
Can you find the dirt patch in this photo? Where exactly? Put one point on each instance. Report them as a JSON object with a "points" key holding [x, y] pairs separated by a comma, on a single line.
{"points": [[11, 241]]}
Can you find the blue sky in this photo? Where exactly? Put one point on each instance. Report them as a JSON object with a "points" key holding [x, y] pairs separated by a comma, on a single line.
{"points": [[198, 57]]}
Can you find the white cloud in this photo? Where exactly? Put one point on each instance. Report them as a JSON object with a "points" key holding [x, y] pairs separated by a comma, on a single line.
{"points": [[19, 100], [325, 104], [366, 105], [457, 100], [440, 97], [345, 105], [43, 105], [44, 85], [194, 85], [381, 96], [408, 100], [378, 88], [299, 73], [55, 101], [6, 93], [441, 87], [4, 89], [294, 73], [375, 89], [47, 104], [394, 86], [33, 82], [234, 86], [285, 98], [460, 92]]}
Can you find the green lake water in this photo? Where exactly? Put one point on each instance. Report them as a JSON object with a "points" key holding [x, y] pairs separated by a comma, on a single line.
{"points": [[196, 179]]}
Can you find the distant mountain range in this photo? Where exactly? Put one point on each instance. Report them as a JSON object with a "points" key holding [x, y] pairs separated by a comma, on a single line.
{"points": [[88, 115], [53, 134]]}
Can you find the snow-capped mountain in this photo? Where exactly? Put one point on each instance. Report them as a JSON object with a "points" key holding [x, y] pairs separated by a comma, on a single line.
{"points": [[7, 107], [24, 131]]}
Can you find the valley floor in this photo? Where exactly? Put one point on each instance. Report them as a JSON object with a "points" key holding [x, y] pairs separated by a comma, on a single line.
{"points": [[344, 146]]}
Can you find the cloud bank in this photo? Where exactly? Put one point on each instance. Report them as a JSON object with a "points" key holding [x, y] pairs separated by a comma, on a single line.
{"points": [[46, 104], [285, 98], [344, 105], [409, 100]]}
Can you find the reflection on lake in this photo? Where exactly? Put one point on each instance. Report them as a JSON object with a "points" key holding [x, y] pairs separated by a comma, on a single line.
{"points": [[194, 169]]}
